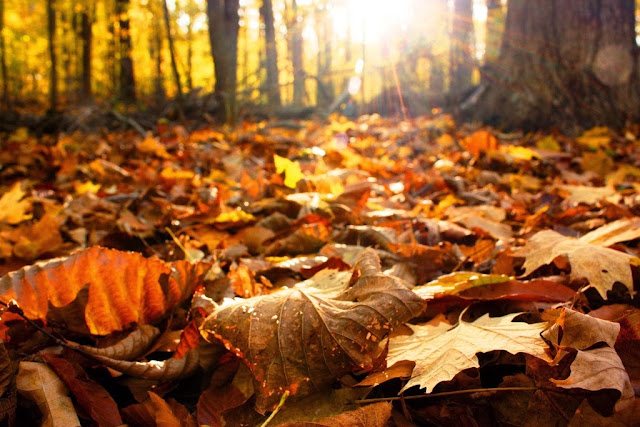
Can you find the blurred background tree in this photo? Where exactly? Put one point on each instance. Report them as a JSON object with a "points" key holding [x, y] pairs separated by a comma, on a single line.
{"points": [[285, 57]]}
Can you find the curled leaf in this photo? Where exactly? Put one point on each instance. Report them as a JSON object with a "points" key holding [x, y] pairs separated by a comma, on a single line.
{"points": [[129, 348], [106, 290]]}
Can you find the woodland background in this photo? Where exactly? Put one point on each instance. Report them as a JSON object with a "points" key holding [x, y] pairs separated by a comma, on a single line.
{"points": [[294, 57]]}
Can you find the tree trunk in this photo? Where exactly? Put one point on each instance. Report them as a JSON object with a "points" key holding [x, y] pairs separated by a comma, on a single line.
{"points": [[127, 80], [564, 63], [273, 84], [495, 28], [174, 64], [3, 60], [87, 43], [461, 67], [53, 76], [297, 56], [223, 36]]}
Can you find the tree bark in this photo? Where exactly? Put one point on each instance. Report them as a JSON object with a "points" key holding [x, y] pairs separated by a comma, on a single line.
{"points": [[461, 66], [127, 79], [174, 64], [297, 55], [564, 63], [53, 76], [223, 36], [3, 60], [273, 84], [87, 43]]}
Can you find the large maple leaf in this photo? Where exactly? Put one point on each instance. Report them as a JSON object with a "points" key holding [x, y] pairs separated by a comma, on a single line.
{"points": [[439, 355], [101, 290], [303, 338], [601, 266]]}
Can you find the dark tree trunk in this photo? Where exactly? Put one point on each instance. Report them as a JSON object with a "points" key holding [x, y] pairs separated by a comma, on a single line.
{"points": [[273, 84], [296, 55], [87, 43], [461, 67], [223, 36], [53, 76], [564, 63], [127, 79], [3, 59], [172, 53]]}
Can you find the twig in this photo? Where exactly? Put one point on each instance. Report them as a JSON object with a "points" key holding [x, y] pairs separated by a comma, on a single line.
{"points": [[275, 411], [13, 307], [130, 122], [446, 393]]}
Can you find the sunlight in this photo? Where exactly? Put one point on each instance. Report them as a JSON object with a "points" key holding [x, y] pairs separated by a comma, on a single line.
{"points": [[370, 21]]}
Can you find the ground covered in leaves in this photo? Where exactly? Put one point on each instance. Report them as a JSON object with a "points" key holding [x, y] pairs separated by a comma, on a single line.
{"points": [[369, 272]]}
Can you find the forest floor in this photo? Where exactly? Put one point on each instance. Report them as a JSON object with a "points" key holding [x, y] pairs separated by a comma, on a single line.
{"points": [[319, 273]]}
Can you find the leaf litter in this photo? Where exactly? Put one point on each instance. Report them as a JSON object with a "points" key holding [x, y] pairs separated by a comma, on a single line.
{"points": [[305, 261]]}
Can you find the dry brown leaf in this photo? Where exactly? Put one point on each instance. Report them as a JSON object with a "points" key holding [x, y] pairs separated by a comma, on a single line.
{"points": [[7, 370], [440, 355], [602, 267], [39, 383], [600, 369], [106, 290], [165, 370], [34, 240], [618, 231], [129, 348], [90, 395], [375, 415], [302, 339]]}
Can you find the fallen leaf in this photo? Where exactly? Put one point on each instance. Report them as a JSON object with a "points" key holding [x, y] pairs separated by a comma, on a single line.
{"points": [[302, 339], [612, 266], [13, 205], [90, 395], [599, 369], [292, 172], [40, 383], [439, 356], [123, 288], [375, 415]]}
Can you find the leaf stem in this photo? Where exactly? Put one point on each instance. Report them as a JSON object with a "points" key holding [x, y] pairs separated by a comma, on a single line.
{"points": [[275, 411], [446, 393]]}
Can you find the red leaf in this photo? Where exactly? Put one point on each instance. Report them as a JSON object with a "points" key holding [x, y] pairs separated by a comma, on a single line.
{"points": [[90, 395]]}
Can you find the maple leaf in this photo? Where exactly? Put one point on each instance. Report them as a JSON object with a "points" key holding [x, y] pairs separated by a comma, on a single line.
{"points": [[303, 338], [13, 205], [440, 355], [101, 290], [291, 169], [602, 267]]}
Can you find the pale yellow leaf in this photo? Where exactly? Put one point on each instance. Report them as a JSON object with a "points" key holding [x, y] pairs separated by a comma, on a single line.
{"points": [[439, 355], [39, 383], [602, 267]]}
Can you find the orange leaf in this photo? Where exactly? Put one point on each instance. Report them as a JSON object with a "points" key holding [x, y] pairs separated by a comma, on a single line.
{"points": [[480, 141], [109, 289]]}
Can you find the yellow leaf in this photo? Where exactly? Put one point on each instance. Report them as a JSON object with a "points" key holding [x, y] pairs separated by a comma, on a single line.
{"points": [[519, 153], [86, 187], [595, 138], [548, 143], [152, 146], [292, 171], [13, 206], [235, 216], [171, 173], [20, 135]]}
